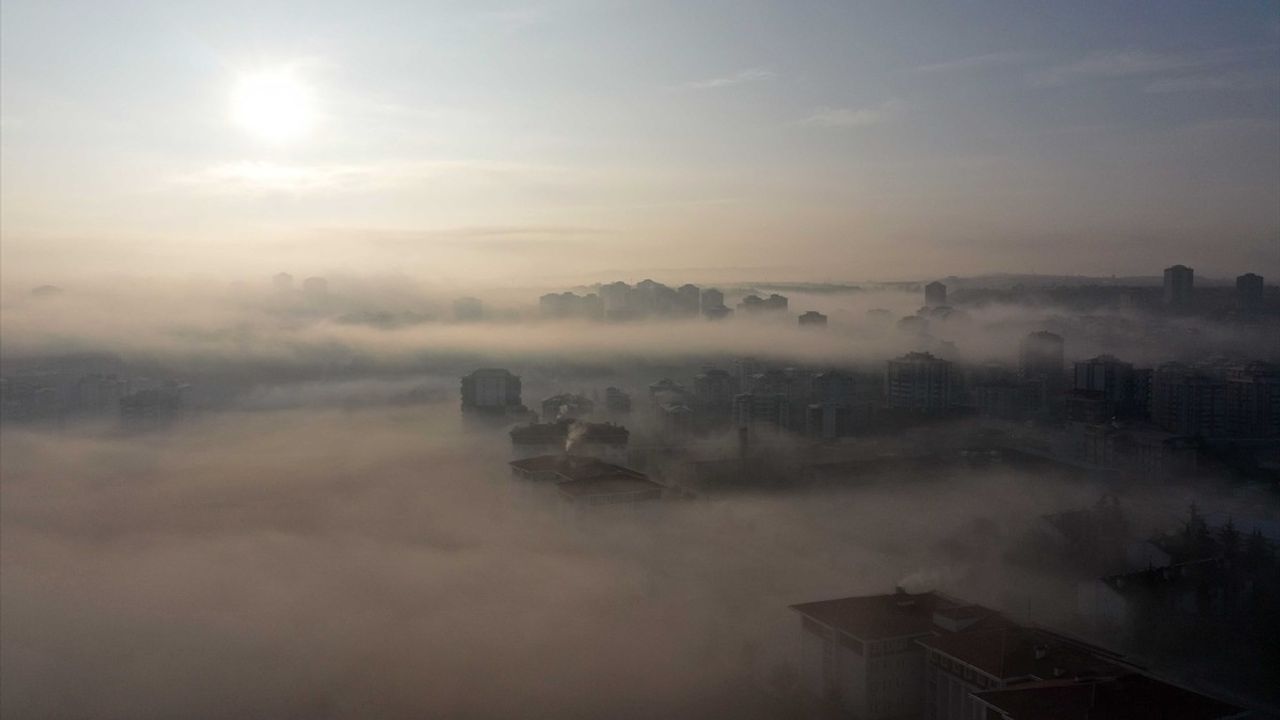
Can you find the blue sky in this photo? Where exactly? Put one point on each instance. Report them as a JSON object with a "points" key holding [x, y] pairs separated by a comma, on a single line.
{"points": [[817, 140]]}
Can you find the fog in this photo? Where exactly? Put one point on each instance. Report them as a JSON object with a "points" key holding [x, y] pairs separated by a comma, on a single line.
{"points": [[324, 537], [375, 562], [398, 324]]}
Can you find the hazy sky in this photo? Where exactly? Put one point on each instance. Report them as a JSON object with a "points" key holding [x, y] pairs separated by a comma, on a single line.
{"points": [[808, 140]]}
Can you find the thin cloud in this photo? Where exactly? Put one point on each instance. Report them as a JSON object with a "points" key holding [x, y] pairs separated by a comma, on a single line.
{"points": [[974, 62], [1110, 65], [1210, 82], [847, 117], [268, 177], [260, 177], [739, 78]]}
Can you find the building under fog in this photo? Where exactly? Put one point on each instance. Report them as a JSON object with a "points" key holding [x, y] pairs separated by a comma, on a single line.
{"points": [[1189, 400], [603, 441], [812, 318], [919, 381], [491, 391], [1179, 285], [567, 406], [935, 294], [1125, 391], [587, 486], [1250, 292], [913, 655]]}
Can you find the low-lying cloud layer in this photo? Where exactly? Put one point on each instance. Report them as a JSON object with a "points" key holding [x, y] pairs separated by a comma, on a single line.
{"points": [[330, 564]]}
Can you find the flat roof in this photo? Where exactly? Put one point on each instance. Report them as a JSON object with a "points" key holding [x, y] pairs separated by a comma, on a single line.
{"points": [[1010, 652], [1130, 697], [874, 617], [574, 467], [608, 485]]}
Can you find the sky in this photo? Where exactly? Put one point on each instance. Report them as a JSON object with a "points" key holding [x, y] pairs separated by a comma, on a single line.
{"points": [[501, 142]]}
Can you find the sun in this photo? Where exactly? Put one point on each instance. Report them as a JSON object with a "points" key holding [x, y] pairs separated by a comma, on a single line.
{"points": [[273, 105]]}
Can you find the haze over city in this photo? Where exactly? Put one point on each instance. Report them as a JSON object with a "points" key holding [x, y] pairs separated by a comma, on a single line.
{"points": [[872, 360]]}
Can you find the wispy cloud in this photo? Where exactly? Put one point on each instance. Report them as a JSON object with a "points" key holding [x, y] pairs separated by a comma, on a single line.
{"points": [[847, 117], [974, 62], [252, 177], [267, 177], [1211, 82], [1115, 64], [739, 78]]}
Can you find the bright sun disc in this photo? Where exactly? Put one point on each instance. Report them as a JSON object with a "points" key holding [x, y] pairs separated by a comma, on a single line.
{"points": [[273, 106]]}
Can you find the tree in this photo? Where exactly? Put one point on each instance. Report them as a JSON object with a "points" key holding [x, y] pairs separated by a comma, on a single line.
{"points": [[1229, 538]]}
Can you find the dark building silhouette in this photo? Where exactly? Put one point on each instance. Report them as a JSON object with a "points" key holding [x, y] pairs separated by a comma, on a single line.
{"points": [[616, 400], [754, 304], [813, 318], [713, 393], [1189, 401], [1124, 390], [1253, 401], [491, 391], [1040, 361], [1249, 292], [1179, 284], [935, 294], [920, 381]]}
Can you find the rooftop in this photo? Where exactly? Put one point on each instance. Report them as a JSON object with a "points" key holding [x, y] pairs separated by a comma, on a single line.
{"points": [[574, 467], [900, 614], [1129, 697], [1016, 652], [609, 485]]}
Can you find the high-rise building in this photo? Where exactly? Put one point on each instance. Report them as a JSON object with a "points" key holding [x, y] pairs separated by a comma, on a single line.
{"points": [[1189, 401], [1117, 381], [491, 391], [1041, 361], [756, 409], [688, 300], [713, 307], [713, 393], [1249, 291], [935, 294], [1179, 282], [315, 288], [919, 381], [1253, 400]]}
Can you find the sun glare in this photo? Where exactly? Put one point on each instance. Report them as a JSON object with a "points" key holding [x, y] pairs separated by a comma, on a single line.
{"points": [[273, 106]]}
